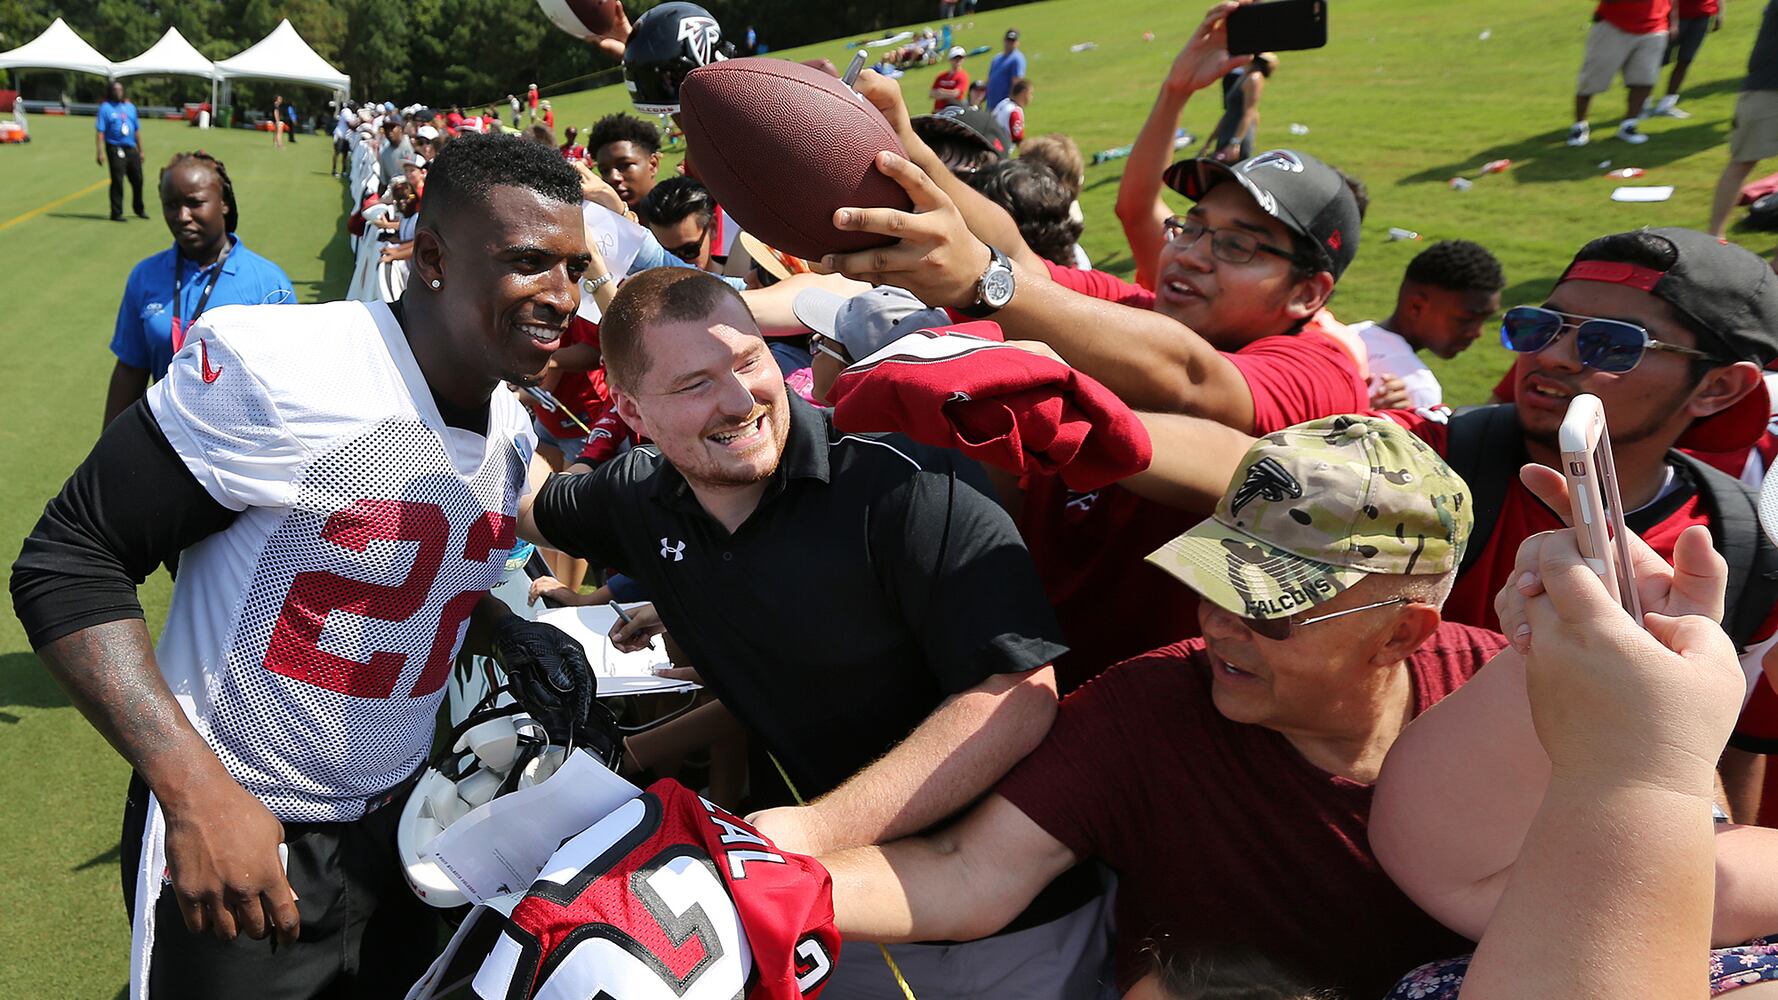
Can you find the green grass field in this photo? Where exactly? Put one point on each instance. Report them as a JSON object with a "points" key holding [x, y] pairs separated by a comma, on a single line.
{"points": [[1406, 95]]}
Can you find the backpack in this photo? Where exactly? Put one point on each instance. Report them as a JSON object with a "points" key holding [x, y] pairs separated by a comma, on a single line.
{"points": [[1763, 213], [1486, 448]]}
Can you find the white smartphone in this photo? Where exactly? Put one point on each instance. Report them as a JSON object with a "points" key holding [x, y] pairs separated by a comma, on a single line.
{"points": [[1593, 496]]}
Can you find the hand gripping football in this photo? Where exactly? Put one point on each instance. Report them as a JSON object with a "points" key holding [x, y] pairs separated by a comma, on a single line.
{"points": [[782, 146]]}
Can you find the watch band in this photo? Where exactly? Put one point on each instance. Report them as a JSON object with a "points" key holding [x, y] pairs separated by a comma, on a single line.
{"points": [[594, 284]]}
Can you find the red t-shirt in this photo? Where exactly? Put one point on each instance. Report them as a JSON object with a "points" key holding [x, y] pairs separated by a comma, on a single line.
{"points": [[581, 393], [1100, 285], [1090, 548], [950, 79], [1693, 9], [1638, 17], [1222, 834]]}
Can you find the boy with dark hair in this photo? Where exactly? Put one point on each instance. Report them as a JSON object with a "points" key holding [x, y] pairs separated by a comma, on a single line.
{"points": [[627, 153], [1038, 201], [1449, 291], [682, 216]]}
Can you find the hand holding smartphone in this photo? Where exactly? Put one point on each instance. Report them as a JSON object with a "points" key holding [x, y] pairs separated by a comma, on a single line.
{"points": [[1597, 510], [1277, 26]]}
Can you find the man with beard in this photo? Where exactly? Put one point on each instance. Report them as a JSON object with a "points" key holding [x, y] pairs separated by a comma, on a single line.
{"points": [[858, 601]]}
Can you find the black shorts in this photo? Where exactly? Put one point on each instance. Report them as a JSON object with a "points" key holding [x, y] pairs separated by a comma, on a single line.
{"points": [[364, 932], [340, 145], [1685, 42]]}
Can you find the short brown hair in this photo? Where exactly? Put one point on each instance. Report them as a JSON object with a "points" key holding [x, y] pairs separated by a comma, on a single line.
{"points": [[672, 294], [1059, 153]]}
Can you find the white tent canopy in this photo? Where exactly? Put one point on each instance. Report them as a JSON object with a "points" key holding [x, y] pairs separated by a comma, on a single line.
{"points": [[57, 48], [172, 55], [283, 55]]}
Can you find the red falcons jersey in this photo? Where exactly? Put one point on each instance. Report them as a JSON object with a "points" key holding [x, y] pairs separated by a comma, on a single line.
{"points": [[668, 897], [311, 640]]}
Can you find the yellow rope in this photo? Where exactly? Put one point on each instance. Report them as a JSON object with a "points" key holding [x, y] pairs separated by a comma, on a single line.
{"points": [[894, 970]]}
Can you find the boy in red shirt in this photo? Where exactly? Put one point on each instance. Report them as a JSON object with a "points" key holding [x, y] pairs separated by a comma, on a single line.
{"points": [[1628, 36], [952, 86]]}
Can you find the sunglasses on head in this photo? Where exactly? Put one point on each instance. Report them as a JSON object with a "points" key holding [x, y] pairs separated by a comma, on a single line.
{"points": [[1606, 345], [1279, 629]]}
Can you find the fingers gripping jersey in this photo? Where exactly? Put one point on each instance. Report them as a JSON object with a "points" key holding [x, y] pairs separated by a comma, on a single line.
{"points": [[310, 641], [667, 898]]}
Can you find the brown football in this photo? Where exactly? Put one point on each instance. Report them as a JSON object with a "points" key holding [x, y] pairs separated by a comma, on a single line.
{"points": [[782, 145], [581, 18]]}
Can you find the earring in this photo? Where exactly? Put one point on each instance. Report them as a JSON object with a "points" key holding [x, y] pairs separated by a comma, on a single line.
{"points": [[435, 282]]}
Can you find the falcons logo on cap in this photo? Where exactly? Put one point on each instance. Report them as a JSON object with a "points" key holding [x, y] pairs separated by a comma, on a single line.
{"points": [[1281, 159], [701, 35], [1265, 478]]}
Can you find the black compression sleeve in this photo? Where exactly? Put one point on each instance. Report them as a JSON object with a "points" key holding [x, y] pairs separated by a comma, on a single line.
{"points": [[131, 506]]}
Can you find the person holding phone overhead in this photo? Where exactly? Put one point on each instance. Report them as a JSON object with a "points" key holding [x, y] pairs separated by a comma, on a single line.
{"points": [[207, 266]]}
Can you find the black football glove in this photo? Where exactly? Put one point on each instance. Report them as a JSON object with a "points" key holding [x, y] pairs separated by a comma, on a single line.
{"points": [[548, 673]]}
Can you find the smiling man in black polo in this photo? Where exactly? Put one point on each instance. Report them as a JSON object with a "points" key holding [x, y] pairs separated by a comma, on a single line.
{"points": [[858, 601]]}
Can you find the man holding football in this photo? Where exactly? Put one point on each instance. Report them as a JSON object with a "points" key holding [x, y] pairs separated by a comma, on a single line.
{"points": [[338, 485]]}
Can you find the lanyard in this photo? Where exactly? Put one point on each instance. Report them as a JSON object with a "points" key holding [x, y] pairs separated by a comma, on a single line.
{"points": [[203, 299]]}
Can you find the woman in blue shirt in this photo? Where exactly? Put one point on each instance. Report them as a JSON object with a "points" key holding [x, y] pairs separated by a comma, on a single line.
{"points": [[207, 266]]}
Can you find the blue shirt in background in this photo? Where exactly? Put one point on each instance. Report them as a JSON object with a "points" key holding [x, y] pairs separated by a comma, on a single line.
{"points": [[1002, 71], [119, 123], [144, 334]]}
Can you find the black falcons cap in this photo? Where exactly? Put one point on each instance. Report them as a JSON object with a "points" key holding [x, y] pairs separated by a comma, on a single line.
{"points": [[1307, 195], [972, 124]]}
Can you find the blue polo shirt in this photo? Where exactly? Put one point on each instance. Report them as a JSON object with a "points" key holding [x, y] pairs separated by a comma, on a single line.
{"points": [[119, 123], [1002, 71], [144, 334]]}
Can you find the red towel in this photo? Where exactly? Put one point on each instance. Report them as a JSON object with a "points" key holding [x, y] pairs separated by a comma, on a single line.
{"points": [[997, 403]]}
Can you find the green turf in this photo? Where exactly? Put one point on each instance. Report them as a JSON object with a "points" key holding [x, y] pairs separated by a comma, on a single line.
{"points": [[1406, 96]]}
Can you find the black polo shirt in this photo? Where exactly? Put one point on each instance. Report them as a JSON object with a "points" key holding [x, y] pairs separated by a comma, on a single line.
{"points": [[876, 578]]}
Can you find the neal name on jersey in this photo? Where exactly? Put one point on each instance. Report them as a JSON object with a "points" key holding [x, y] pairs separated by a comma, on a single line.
{"points": [[311, 640]]}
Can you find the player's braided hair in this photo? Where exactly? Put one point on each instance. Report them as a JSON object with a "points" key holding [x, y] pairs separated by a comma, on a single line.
{"points": [[230, 214], [1458, 266]]}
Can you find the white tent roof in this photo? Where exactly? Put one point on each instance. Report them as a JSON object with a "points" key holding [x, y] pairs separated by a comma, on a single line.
{"points": [[57, 48], [283, 55], [171, 55]]}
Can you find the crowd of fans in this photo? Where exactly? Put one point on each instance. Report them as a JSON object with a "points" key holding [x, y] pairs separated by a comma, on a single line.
{"points": [[1171, 637]]}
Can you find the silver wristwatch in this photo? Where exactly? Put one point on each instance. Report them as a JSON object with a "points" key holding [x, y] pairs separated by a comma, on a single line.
{"points": [[993, 290]]}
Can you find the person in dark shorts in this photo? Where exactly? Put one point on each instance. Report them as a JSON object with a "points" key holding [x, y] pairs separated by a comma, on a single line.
{"points": [[1697, 18]]}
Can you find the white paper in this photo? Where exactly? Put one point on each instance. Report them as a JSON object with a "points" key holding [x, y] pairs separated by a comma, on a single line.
{"points": [[618, 240], [591, 625], [1658, 193], [501, 845]]}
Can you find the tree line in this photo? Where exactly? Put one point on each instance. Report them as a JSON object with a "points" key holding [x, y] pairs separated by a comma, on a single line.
{"points": [[443, 52]]}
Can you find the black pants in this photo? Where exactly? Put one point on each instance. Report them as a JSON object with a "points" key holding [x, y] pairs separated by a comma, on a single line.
{"points": [[125, 161], [364, 932]]}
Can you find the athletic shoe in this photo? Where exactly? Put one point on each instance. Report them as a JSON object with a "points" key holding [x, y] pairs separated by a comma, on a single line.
{"points": [[141, 215], [1668, 107], [1579, 134], [1630, 133]]}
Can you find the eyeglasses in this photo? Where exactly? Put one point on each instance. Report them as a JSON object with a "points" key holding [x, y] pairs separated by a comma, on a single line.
{"points": [[823, 344], [1279, 629], [688, 252], [1606, 345], [1231, 246]]}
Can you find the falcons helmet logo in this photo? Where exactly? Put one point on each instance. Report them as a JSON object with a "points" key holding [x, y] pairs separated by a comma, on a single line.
{"points": [[701, 35], [1265, 478]]}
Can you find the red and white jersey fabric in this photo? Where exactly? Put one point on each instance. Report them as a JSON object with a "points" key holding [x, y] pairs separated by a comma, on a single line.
{"points": [[666, 897], [310, 641]]}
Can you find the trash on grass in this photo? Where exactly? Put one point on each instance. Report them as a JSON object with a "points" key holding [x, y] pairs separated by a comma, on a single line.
{"points": [[1496, 166], [1660, 192], [1298, 128], [1485, 35], [1627, 173], [1083, 47], [1461, 184], [1397, 233]]}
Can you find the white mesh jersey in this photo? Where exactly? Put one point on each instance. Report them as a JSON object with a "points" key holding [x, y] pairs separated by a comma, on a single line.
{"points": [[310, 642]]}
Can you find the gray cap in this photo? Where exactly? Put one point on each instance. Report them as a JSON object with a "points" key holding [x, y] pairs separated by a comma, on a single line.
{"points": [[866, 322]]}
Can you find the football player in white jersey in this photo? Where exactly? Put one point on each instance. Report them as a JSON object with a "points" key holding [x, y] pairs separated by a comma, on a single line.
{"points": [[338, 485]]}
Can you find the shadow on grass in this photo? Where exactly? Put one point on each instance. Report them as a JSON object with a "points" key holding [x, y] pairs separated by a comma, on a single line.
{"points": [[337, 258], [94, 216], [1528, 292], [106, 859], [25, 683]]}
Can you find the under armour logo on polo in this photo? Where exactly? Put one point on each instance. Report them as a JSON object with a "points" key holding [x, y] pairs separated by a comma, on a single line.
{"points": [[1265, 478], [1082, 502], [672, 550]]}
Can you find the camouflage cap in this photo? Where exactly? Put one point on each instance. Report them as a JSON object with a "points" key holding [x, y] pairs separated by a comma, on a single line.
{"points": [[1314, 508]]}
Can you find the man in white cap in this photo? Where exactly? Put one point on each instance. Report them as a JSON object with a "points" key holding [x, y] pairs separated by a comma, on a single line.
{"points": [[952, 86]]}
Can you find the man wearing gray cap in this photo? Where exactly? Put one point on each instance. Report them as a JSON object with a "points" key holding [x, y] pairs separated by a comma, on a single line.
{"points": [[848, 330]]}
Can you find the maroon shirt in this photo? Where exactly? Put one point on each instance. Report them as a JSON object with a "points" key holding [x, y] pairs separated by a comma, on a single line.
{"points": [[1222, 834]]}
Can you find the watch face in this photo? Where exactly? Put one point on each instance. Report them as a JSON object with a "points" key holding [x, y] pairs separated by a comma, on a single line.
{"points": [[997, 288]]}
